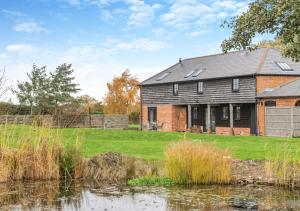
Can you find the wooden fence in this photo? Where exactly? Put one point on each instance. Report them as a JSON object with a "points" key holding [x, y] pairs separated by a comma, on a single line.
{"points": [[69, 121], [284, 122]]}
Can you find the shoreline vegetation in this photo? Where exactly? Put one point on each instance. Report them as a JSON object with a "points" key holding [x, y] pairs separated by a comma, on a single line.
{"points": [[41, 153]]}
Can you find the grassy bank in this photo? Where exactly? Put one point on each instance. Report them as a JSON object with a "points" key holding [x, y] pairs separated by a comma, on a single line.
{"points": [[152, 145]]}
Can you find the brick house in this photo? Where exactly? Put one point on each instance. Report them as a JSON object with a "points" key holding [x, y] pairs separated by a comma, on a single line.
{"points": [[285, 95], [222, 93]]}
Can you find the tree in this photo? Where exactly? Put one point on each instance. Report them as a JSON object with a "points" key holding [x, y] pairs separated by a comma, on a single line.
{"points": [[122, 96], [62, 85], [277, 44], [3, 86], [279, 17], [34, 92], [90, 104]]}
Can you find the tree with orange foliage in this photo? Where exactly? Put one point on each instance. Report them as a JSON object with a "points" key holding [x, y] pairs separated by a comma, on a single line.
{"points": [[122, 96]]}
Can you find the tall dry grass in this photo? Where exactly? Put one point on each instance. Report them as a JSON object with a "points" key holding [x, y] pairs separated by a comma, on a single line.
{"points": [[284, 168], [198, 163], [33, 153]]}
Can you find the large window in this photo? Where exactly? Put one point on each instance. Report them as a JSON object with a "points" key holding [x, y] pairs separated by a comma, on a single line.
{"points": [[152, 114], [236, 84], [195, 112], [270, 103], [175, 89], [200, 87], [237, 113], [225, 112]]}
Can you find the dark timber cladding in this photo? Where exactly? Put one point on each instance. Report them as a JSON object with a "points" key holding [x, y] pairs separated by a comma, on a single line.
{"points": [[218, 91]]}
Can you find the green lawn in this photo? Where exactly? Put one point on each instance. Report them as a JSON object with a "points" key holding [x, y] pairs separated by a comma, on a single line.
{"points": [[151, 145]]}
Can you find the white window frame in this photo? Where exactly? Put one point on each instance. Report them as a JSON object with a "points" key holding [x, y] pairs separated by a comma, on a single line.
{"points": [[175, 89], [236, 84], [200, 91]]}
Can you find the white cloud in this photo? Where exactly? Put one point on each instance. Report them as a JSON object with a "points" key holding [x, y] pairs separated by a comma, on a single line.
{"points": [[106, 15], [185, 14], [95, 64], [29, 26], [143, 45], [12, 13], [197, 33], [142, 14], [20, 48], [73, 2]]}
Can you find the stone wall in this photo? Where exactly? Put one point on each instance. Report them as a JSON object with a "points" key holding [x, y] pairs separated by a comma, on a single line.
{"points": [[69, 121]]}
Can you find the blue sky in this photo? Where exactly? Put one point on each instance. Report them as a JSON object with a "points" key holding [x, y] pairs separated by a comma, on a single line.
{"points": [[103, 37]]}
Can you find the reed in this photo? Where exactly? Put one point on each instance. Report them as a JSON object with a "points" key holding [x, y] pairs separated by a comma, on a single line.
{"points": [[198, 163], [284, 168], [33, 153]]}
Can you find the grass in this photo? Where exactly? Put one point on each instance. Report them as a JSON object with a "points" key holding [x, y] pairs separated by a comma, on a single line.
{"points": [[34, 153], [152, 145], [151, 181], [284, 168], [190, 162]]}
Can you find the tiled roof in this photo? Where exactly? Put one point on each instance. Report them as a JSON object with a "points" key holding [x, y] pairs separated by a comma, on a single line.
{"points": [[233, 64], [290, 89]]}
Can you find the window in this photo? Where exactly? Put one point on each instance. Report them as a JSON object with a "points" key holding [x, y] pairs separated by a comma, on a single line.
{"points": [[197, 73], [284, 66], [152, 114], [225, 113], [297, 103], [270, 103], [200, 87], [237, 113], [195, 112], [235, 84], [163, 76], [189, 74], [175, 89]]}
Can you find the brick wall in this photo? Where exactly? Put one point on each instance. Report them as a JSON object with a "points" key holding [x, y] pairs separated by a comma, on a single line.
{"points": [[166, 115], [172, 117], [82, 121], [236, 131], [280, 102], [263, 82]]}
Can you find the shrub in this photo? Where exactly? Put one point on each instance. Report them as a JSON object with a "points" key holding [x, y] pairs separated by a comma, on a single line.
{"points": [[151, 181], [198, 163]]}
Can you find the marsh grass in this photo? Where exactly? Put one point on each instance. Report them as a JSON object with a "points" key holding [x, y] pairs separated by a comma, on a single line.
{"points": [[198, 163], [34, 153], [284, 167], [151, 181]]}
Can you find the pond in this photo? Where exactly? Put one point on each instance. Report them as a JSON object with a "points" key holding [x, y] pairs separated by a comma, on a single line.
{"points": [[92, 196]]}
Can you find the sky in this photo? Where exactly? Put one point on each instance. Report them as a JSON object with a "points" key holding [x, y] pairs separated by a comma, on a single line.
{"points": [[102, 38]]}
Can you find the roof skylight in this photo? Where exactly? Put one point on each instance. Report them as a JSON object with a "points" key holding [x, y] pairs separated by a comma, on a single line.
{"points": [[163, 76], [197, 73], [284, 66], [189, 74]]}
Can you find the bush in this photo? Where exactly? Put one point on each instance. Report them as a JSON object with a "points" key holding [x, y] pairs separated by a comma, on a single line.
{"points": [[198, 163], [134, 118], [151, 181]]}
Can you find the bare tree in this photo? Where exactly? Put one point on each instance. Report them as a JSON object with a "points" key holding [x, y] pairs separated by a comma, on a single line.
{"points": [[4, 88]]}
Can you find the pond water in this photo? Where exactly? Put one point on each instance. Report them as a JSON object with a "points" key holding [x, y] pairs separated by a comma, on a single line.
{"points": [[92, 196]]}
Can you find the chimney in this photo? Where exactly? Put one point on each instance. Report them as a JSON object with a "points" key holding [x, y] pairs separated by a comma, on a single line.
{"points": [[180, 60]]}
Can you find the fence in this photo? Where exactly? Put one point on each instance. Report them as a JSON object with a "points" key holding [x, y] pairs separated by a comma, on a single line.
{"points": [[70, 121], [282, 121]]}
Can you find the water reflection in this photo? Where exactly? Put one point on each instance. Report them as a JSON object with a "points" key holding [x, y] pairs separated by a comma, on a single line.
{"points": [[93, 196]]}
